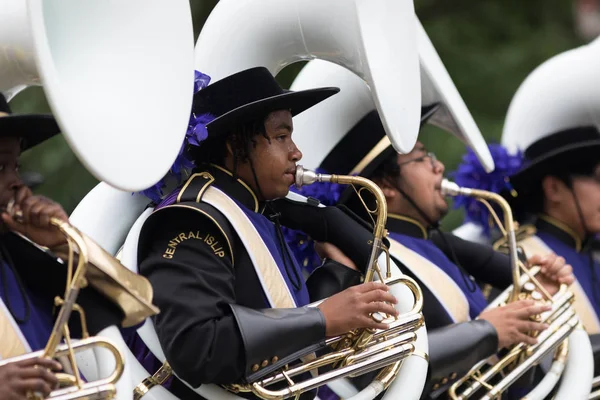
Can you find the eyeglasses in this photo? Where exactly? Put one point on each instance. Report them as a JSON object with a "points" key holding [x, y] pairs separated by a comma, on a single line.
{"points": [[429, 155]]}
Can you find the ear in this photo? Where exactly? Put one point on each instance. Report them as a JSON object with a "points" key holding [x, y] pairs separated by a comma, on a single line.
{"points": [[554, 189], [389, 191]]}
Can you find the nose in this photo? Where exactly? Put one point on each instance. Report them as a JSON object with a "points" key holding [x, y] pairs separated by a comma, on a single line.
{"points": [[14, 183], [295, 153], [438, 167]]}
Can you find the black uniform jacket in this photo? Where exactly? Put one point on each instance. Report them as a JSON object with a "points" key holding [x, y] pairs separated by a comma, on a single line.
{"points": [[215, 325], [40, 271]]}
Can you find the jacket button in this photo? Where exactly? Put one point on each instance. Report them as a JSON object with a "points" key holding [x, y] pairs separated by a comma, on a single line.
{"points": [[255, 368], [264, 363], [436, 386], [453, 376], [274, 360], [444, 381]]}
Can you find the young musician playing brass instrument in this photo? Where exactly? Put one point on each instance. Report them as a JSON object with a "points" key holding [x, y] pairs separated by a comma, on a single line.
{"points": [[29, 276], [216, 323]]}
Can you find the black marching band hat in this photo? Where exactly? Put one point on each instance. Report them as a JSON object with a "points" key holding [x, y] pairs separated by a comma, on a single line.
{"points": [[571, 151], [32, 128], [241, 97]]}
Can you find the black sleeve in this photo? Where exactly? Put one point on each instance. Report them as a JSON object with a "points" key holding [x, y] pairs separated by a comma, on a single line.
{"points": [[336, 225], [479, 260], [205, 335], [331, 278], [193, 287]]}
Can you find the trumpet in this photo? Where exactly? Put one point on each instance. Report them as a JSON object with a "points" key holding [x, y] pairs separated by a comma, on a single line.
{"points": [[88, 264], [363, 350], [562, 319]]}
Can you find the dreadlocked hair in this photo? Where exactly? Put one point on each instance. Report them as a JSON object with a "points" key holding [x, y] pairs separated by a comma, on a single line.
{"points": [[242, 140]]}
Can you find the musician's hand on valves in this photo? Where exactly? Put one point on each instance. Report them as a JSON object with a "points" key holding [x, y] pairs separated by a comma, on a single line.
{"points": [[328, 250], [35, 213], [512, 321], [352, 308], [28, 376], [554, 271]]}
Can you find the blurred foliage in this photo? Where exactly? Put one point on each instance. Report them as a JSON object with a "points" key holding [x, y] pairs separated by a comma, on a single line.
{"points": [[488, 47]]}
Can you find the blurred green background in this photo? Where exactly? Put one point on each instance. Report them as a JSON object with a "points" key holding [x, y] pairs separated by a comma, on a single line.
{"points": [[488, 47]]}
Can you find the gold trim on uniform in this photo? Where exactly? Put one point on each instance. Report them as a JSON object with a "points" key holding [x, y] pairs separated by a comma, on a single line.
{"points": [[563, 227], [412, 221], [244, 184]]}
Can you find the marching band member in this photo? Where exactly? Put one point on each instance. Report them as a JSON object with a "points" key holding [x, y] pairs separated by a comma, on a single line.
{"points": [[215, 253], [29, 277], [460, 332], [556, 192], [551, 174]]}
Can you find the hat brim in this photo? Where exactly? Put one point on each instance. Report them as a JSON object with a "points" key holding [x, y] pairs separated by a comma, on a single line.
{"points": [[537, 167], [33, 129], [296, 102], [526, 181]]}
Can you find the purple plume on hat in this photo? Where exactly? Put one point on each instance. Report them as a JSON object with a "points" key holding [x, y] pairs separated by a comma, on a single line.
{"points": [[301, 245], [471, 174], [196, 133]]}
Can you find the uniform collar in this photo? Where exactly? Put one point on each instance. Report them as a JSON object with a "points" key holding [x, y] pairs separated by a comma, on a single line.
{"points": [[559, 230], [235, 187], [406, 226]]}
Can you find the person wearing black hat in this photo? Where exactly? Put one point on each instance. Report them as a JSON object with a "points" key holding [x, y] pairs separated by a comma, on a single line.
{"points": [[232, 297], [30, 277], [460, 332], [558, 191]]}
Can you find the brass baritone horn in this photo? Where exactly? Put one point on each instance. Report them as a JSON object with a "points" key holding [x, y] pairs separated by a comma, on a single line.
{"points": [[561, 319], [129, 291], [361, 351]]}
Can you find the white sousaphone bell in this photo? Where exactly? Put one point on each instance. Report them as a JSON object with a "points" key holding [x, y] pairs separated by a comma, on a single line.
{"points": [[119, 79], [106, 69], [375, 39], [338, 114]]}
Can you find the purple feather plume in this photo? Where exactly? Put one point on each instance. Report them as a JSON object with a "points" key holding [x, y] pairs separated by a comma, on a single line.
{"points": [[470, 173]]}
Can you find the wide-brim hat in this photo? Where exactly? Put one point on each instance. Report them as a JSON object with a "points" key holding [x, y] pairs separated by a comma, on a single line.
{"points": [[570, 151], [32, 128], [248, 95]]}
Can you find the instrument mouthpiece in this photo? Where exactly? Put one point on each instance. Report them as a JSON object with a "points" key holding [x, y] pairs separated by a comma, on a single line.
{"points": [[307, 177], [449, 188]]}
